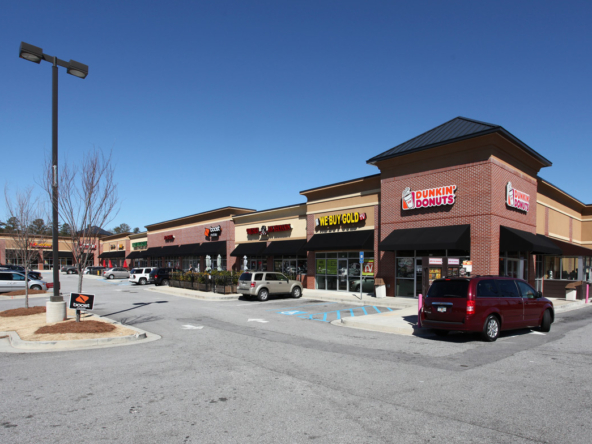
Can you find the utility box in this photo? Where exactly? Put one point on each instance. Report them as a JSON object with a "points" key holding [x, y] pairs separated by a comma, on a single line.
{"points": [[379, 288]]}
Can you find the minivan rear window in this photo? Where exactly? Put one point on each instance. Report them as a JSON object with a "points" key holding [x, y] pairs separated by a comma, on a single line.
{"points": [[449, 289], [245, 277]]}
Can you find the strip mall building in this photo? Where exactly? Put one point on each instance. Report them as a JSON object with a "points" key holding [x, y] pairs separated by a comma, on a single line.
{"points": [[464, 198]]}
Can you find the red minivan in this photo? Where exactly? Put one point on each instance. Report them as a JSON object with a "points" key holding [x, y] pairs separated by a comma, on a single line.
{"points": [[485, 304]]}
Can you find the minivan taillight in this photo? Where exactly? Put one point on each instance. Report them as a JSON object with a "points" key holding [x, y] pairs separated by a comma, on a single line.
{"points": [[470, 308], [252, 284], [155, 276]]}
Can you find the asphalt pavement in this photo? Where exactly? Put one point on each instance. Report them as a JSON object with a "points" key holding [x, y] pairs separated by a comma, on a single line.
{"points": [[243, 371]]}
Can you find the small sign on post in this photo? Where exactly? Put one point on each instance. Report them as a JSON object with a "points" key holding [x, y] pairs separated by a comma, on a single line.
{"points": [[79, 301], [361, 270]]}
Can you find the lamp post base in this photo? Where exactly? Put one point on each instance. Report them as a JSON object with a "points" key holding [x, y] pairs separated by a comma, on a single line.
{"points": [[55, 312]]}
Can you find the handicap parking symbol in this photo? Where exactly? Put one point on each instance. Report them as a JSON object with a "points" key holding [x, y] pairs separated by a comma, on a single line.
{"points": [[292, 313]]}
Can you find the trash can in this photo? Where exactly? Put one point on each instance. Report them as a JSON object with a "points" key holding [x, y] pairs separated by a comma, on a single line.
{"points": [[379, 288]]}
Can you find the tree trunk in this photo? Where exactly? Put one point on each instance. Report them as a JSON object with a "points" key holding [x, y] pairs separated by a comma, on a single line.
{"points": [[26, 287]]}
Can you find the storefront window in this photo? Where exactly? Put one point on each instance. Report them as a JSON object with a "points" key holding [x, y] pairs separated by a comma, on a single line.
{"points": [[341, 271], [291, 266], [563, 268], [190, 262], [155, 262]]}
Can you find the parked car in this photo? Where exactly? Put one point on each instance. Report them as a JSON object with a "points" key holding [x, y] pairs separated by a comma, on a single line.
{"points": [[160, 276], [69, 269], [93, 270], [11, 280], [116, 272], [262, 284], [485, 304], [140, 275], [32, 274]]}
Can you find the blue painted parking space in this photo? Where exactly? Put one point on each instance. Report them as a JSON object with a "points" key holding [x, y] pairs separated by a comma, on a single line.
{"points": [[328, 311]]}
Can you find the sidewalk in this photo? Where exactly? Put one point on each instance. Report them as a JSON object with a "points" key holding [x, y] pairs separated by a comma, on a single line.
{"points": [[404, 322]]}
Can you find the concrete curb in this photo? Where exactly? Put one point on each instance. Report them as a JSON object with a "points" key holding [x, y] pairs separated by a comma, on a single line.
{"points": [[194, 294], [570, 306], [78, 344]]}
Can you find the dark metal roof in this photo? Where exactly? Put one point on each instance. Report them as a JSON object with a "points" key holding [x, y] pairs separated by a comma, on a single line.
{"points": [[286, 248], [363, 239], [512, 239], [249, 249], [455, 130]]}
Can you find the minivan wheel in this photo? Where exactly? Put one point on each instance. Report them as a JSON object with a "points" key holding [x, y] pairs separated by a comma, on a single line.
{"points": [[142, 281], [297, 292], [441, 332], [36, 287], [165, 282], [546, 324], [263, 294], [111, 276], [491, 329]]}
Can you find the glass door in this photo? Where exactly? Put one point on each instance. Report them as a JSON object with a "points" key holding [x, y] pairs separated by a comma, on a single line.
{"points": [[342, 275], [418, 276]]}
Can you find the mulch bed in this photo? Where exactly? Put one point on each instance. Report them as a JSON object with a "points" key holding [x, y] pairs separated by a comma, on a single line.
{"points": [[76, 327], [22, 292], [22, 311]]}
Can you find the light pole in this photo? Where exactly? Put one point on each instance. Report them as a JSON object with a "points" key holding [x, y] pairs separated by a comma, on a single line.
{"points": [[35, 55]]}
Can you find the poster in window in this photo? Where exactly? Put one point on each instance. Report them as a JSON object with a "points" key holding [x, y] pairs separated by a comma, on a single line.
{"points": [[368, 269], [332, 266], [321, 266]]}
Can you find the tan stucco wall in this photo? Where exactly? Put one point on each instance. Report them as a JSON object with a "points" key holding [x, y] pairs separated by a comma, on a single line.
{"points": [[558, 225], [342, 204], [368, 224], [540, 219], [298, 230]]}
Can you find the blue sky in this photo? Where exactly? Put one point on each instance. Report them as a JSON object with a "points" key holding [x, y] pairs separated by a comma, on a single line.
{"points": [[247, 103]]}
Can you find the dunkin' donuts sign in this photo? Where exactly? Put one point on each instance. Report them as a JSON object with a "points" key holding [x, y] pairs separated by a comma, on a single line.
{"points": [[433, 197], [517, 199]]}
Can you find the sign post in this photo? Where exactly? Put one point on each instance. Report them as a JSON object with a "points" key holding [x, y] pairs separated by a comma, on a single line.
{"points": [[361, 273], [79, 301]]}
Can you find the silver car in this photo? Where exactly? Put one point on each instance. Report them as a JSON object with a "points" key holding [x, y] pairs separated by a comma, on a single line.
{"points": [[264, 283], [13, 280], [117, 272]]}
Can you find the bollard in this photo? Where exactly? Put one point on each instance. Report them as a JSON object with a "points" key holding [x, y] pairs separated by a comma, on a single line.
{"points": [[419, 307], [587, 292]]}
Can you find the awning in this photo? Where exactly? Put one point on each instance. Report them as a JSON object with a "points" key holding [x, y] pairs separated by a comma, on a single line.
{"points": [[66, 254], [169, 250], [113, 255], [249, 249], [454, 237], [346, 240], [571, 249], [136, 254], [153, 252], [188, 249], [211, 249], [512, 239], [286, 248]]}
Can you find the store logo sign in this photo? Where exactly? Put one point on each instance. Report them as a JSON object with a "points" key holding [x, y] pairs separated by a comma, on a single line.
{"points": [[113, 247], [340, 219], [432, 197], [89, 246], [169, 238], [263, 231], [517, 199], [213, 231], [39, 245]]}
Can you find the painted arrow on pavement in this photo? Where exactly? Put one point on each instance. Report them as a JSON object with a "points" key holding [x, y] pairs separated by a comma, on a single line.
{"points": [[263, 321], [192, 327]]}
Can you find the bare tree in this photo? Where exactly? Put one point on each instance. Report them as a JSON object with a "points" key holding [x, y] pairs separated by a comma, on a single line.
{"points": [[87, 202], [22, 210]]}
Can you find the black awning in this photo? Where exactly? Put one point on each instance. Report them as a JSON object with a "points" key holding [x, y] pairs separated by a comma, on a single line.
{"points": [[346, 240], [188, 249], [66, 254], [112, 255], [136, 254], [211, 249], [454, 237], [512, 239], [286, 248], [153, 252], [169, 250], [249, 249], [571, 249]]}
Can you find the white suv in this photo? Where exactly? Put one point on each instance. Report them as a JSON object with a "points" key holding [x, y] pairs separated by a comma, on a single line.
{"points": [[140, 275]]}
